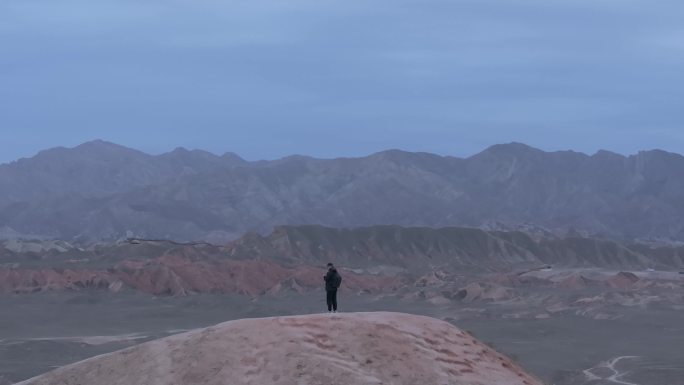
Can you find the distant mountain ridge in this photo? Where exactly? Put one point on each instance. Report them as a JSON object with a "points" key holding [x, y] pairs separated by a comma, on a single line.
{"points": [[103, 191], [99, 168]]}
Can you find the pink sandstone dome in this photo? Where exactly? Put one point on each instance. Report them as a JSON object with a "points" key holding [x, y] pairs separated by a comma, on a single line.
{"points": [[340, 349]]}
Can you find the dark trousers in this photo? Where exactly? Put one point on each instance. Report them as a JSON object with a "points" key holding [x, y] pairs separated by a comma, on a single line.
{"points": [[331, 298]]}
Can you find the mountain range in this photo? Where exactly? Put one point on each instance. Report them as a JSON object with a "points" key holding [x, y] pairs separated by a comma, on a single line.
{"points": [[102, 191]]}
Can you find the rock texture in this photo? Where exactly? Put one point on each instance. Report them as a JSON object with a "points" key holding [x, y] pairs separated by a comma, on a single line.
{"points": [[178, 276], [420, 247], [376, 259], [103, 191], [341, 349]]}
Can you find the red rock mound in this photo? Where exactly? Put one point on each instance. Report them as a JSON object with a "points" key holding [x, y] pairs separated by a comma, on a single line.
{"points": [[576, 281], [482, 291], [622, 280], [177, 275], [344, 349]]}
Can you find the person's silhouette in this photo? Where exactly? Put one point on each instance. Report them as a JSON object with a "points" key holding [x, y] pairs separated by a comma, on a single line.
{"points": [[333, 280]]}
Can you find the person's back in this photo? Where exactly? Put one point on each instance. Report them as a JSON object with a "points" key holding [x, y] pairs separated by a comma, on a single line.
{"points": [[333, 280]]}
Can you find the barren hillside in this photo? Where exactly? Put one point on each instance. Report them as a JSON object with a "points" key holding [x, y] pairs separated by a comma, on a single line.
{"points": [[340, 349]]}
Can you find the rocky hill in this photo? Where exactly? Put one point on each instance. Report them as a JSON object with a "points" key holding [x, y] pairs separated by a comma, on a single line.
{"points": [[376, 259], [420, 248], [178, 275], [103, 191], [340, 349]]}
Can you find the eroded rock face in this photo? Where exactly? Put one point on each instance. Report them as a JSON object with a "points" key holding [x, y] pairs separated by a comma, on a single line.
{"points": [[176, 275], [341, 349], [196, 195]]}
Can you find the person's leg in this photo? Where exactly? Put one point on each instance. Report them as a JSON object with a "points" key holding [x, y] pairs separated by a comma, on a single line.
{"points": [[329, 299], [334, 300]]}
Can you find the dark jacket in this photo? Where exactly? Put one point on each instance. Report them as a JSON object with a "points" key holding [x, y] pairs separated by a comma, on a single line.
{"points": [[332, 279]]}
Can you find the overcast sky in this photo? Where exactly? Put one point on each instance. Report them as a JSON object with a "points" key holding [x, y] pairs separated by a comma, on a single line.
{"points": [[268, 78]]}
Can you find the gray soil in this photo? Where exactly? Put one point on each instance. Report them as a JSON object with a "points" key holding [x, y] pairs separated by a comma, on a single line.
{"points": [[42, 331]]}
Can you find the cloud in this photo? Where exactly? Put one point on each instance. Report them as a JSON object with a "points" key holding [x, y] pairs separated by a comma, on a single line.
{"points": [[366, 73]]}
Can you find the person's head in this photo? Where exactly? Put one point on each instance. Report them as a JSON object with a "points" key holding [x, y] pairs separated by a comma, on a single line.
{"points": [[330, 265]]}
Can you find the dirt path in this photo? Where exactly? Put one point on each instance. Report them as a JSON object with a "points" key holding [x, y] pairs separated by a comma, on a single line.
{"points": [[616, 375]]}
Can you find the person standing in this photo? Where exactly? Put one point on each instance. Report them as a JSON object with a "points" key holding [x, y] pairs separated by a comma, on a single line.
{"points": [[333, 280]]}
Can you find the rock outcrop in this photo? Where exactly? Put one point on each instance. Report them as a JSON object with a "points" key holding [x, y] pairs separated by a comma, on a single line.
{"points": [[417, 248], [176, 275], [340, 349]]}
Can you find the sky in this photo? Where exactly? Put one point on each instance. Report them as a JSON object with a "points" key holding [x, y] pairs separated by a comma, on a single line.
{"points": [[329, 78]]}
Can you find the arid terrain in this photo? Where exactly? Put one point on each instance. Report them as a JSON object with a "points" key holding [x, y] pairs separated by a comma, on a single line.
{"points": [[491, 191], [612, 314], [103, 191], [326, 349]]}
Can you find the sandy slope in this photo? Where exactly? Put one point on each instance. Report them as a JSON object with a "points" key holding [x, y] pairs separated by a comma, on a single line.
{"points": [[354, 348]]}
